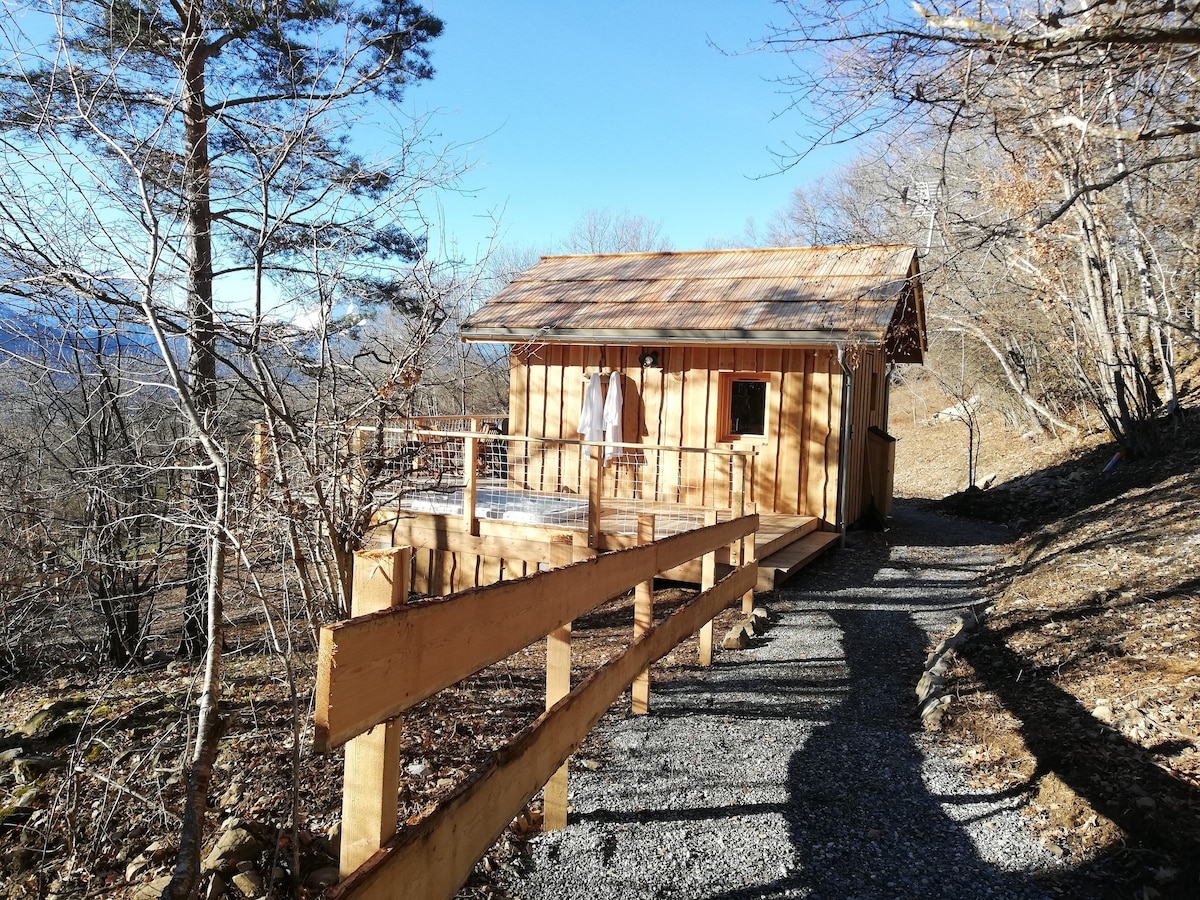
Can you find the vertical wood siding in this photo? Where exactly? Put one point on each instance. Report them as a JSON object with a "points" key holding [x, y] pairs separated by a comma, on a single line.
{"points": [[796, 470], [867, 388]]}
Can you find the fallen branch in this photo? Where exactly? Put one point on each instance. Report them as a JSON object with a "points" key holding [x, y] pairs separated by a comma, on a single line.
{"points": [[125, 789]]}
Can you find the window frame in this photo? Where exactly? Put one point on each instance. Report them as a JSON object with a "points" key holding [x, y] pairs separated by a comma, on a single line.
{"points": [[725, 432]]}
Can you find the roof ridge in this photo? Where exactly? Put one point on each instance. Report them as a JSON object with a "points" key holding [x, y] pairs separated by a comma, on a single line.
{"points": [[668, 253], [724, 276]]}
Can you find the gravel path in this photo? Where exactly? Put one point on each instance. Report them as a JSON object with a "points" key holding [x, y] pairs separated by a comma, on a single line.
{"points": [[794, 768]]}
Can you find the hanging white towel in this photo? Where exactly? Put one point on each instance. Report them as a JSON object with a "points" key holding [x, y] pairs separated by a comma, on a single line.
{"points": [[612, 417], [591, 417]]}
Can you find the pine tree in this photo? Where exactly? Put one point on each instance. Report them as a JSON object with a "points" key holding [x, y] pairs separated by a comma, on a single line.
{"points": [[176, 120]]}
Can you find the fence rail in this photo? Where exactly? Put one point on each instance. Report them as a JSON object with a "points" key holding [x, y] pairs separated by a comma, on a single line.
{"points": [[375, 666]]}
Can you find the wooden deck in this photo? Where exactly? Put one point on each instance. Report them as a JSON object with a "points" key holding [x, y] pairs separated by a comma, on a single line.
{"points": [[784, 544]]}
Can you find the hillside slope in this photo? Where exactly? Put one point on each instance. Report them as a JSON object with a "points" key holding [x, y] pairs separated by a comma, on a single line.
{"points": [[1084, 688]]}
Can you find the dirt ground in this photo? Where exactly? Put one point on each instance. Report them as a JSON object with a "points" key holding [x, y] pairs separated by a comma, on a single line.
{"points": [[1083, 691], [931, 449]]}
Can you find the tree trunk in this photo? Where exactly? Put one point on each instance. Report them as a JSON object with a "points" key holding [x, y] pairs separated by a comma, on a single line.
{"points": [[1157, 334], [185, 880], [201, 336], [205, 557]]}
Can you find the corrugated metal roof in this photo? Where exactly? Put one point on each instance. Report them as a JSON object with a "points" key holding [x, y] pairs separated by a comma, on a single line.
{"points": [[800, 291]]}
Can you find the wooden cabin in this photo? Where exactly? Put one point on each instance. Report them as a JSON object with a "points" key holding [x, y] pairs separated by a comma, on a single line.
{"points": [[782, 351], [686, 387]]}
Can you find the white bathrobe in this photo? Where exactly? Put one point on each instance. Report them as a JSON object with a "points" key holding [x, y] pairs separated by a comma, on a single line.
{"points": [[612, 417], [591, 417]]}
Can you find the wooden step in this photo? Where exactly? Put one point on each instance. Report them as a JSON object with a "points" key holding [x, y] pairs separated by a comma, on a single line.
{"points": [[777, 532], [783, 564]]}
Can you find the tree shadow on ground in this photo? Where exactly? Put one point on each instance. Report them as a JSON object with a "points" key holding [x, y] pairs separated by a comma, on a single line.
{"points": [[859, 816], [1159, 813], [861, 819], [1032, 502]]}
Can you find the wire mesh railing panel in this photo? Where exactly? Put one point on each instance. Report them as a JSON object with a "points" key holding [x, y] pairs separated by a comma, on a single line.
{"points": [[676, 486], [430, 451], [531, 482], [542, 481]]}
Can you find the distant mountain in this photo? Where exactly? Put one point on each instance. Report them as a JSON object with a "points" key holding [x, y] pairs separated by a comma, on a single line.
{"points": [[29, 334]]}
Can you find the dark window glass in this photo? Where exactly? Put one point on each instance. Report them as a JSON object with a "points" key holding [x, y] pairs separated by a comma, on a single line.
{"points": [[748, 407]]}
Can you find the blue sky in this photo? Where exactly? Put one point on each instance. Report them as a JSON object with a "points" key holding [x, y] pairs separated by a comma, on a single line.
{"points": [[565, 106]]}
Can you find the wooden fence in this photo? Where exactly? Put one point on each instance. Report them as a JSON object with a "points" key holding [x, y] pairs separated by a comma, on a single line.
{"points": [[393, 654]]}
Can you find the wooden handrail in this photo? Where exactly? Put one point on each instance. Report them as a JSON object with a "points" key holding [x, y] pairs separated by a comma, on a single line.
{"points": [[433, 858], [374, 667], [527, 439]]}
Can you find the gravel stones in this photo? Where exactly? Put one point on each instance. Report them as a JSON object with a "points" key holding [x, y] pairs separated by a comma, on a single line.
{"points": [[794, 768]]}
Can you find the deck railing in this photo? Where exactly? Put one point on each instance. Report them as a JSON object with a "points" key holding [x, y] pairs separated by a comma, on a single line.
{"points": [[393, 655], [483, 474]]}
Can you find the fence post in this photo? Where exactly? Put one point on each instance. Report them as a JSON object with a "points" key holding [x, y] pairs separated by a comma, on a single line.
{"points": [[746, 552], [749, 557], [372, 773], [470, 484], [708, 577], [558, 685], [595, 473], [643, 619]]}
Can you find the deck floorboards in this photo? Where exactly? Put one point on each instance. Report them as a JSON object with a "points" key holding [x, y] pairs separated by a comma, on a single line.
{"points": [[784, 543]]}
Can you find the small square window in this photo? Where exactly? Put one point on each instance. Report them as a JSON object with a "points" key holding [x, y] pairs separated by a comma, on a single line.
{"points": [[748, 407], [742, 406]]}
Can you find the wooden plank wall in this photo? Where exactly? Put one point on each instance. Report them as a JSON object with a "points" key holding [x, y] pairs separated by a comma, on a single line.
{"points": [[796, 471], [676, 405], [866, 410]]}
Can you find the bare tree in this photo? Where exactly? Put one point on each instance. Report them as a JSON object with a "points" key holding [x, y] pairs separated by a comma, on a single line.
{"points": [[605, 231], [104, 435], [888, 197], [129, 182], [893, 65], [1073, 108]]}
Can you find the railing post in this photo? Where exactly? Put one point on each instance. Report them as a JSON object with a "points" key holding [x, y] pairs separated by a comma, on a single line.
{"points": [[470, 484], [595, 473], [708, 577], [372, 774], [558, 685], [643, 619], [747, 551], [737, 505], [749, 558], [738, 500]]}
